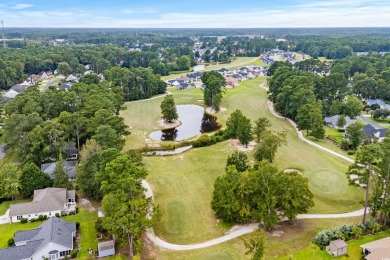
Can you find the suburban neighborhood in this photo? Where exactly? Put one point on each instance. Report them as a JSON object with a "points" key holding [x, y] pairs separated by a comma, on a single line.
{"points": [[176, 130]]}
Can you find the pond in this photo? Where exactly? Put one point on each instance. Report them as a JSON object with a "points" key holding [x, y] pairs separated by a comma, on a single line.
{"points": [[194, 121]]}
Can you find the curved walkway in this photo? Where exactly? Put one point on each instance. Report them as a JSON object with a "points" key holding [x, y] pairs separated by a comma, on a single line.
{"points": [[234, 232], [239, 230], [300, 134]]}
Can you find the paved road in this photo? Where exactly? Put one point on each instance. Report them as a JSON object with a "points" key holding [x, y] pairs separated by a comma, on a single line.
{"points": [[51, 83], [365, 120], [239, 230]]}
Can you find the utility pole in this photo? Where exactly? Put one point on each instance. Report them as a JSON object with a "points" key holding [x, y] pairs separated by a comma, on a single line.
{"points": [[4, 41]]}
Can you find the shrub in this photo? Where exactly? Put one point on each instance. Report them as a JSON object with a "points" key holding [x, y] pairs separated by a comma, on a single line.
{"points": [[40, 217], [345, 144], [23, 220], [33, 220], [350, 152], [45, 217], [77, 225], [77, 210], [57, 215], [74, 252], [11, 242]]}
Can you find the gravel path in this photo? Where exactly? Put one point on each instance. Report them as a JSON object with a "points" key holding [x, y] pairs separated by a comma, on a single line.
{"points": [[239, 230]]}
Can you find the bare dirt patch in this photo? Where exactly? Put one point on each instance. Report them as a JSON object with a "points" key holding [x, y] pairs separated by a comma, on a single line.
{"points": [[235, 143], [210, 110], [292, 170], [169, 125], [87, 204]]}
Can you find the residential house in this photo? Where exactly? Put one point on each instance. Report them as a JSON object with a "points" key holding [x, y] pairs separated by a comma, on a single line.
{"points": [[49, 202], [332, 121], [71, 152], [378, 102], [72, 78], [238, 76], [373, 133], [377, 250], [231, 82], [51, 240], [14, 91], [337, 248], [69, 168], [223, 71], [65, 86], [106, 248], [185, 86], [45, 75]]}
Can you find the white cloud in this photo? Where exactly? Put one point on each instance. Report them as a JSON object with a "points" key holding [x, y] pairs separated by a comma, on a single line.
{"points": [[21, 6], [139, 11]]}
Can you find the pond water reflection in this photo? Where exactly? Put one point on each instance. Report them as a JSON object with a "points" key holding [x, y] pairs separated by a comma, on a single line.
{"points": [[194, 122]]}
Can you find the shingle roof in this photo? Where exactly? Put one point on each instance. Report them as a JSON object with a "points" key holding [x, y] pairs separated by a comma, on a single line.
{"points": [[69, 167], [339, 243], [50, 199], [53, 230], [369, 130], [106, 245], [381, 243], [379, 254]]}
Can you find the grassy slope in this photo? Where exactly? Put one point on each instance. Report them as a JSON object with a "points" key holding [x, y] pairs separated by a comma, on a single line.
{"points": [[87, 221], [183, 183], [283, 241]]}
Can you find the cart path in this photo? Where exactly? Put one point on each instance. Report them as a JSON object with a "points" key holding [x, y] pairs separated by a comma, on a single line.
{"points": [[239, 230], [300, 134], [234, 232]]}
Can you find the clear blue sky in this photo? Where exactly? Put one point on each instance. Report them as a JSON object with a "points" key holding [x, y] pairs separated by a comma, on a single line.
{"points": [[195, 14]]}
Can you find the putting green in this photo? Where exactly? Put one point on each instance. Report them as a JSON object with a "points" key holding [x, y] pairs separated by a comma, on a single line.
{"points": [[176, 217], [326, 182]]}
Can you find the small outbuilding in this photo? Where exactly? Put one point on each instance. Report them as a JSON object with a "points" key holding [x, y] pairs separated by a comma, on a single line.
{"points": [[106, 248], [337, 248]]}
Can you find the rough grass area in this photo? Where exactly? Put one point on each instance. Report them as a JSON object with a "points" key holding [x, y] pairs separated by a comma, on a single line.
{"points": [[183, 184], [283, 241]]}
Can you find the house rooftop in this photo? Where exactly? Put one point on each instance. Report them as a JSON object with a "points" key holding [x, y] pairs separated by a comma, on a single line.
{"points": [[45, 200], [381, 243], [54, 230], [339, 243], [379, 254], [106, 245]]}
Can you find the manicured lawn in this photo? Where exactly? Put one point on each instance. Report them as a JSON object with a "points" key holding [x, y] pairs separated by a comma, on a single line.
{"points": [[334, 134], [282, 241], [183, 184], [87, 221], [5, 205], [354, 249]]}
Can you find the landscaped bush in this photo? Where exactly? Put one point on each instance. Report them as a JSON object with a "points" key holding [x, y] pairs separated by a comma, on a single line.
{"points": [[23, 220], [77, 225], [74, 252], [350, 152], [57, 215], [346, 232], [11, 242], [345, 144], [45, 217], [33, 220], [205, 140], [40, 217]]}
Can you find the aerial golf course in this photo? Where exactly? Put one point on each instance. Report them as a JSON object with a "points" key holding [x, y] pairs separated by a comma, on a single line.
{"points": [[183, 183]]}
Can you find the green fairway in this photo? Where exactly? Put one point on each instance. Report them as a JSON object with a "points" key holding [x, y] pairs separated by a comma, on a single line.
{"points": [[183, 184], [282, 242]]}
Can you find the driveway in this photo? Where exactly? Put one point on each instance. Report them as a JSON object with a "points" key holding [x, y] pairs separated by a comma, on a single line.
{"points": [[365, 120], [4, 219]]}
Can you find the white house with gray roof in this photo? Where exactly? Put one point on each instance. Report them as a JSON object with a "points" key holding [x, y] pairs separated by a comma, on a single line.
{"points": [[47, 202], [52, 240], [332, 121]]}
